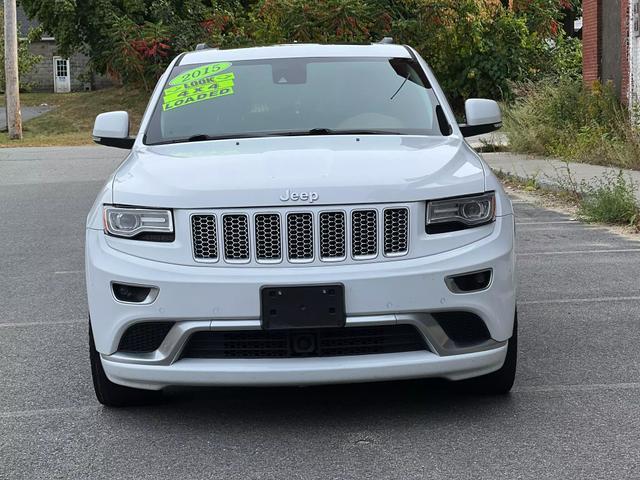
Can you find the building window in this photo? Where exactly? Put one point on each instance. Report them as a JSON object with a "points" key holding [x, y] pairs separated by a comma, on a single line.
{"points": [[62, 67]]}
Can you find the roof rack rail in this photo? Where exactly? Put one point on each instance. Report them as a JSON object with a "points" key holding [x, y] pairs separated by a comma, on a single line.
{"points": [[386, 40]]}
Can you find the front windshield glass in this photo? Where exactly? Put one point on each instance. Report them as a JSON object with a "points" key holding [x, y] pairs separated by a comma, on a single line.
{"points": [[294, 96]]}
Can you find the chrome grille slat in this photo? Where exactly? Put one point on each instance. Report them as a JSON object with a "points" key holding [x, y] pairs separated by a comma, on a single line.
{"points": [[205, 237], [300, 237], [235, 229], [309, 235], [333, 243], [364, 233], [396, 231], [268, 237]]}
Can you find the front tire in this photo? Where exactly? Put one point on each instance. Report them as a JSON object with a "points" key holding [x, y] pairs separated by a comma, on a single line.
{"points": [[111, 394], [501, 381]]}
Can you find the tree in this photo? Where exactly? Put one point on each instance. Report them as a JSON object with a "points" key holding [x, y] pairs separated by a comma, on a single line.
{"points": [[26, 59], [476, 47], [132, 40]]}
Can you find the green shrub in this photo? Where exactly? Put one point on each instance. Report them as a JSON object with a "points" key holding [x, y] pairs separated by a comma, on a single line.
{"points": [[611, 200], [476, 47], [565, 59], [565, 119], [322, 21]]}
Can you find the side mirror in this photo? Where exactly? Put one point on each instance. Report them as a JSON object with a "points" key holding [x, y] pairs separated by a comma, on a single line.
{"points": [[112, 130], [483, 116]]}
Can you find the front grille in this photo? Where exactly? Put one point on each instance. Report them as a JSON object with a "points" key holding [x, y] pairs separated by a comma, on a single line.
{"points": [[205, 236], [236, 237], [364, 239], [268, 242], [320, 342], [144, 337], [333, 245], [396, 231], [300, 236]]}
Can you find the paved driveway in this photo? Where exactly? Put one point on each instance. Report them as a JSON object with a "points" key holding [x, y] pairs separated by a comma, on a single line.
{"points": [[574, 413], [27, 114]]}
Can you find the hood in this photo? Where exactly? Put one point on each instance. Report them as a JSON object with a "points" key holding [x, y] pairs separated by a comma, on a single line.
{"points": [[323, 170]]}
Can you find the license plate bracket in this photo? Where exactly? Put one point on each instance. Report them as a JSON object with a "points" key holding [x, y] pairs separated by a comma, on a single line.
{"points": [[308, 306]]}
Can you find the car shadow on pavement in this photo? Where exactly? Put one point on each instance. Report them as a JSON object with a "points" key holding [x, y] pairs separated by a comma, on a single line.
{"points": [[313, 404]]}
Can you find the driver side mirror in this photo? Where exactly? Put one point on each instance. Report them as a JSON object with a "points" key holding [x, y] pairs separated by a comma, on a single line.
{"points": [[112, 130], [483, 116]]}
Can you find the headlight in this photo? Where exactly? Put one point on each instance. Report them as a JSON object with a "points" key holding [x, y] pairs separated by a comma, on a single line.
{"points": [[139, 223], [459, 213]]}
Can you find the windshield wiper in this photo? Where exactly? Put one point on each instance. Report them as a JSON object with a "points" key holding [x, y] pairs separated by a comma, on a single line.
{"points": [[202, 137], [330, 131]]}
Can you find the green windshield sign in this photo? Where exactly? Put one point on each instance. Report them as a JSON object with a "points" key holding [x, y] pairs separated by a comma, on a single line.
{"points": [[200, 72], [197, 85]]}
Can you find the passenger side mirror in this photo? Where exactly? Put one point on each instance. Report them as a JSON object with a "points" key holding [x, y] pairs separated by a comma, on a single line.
{"points": [[483, 116], [112, 130]]}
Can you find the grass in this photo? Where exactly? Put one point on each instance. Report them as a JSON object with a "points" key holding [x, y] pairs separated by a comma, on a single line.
{"points": [[70, 122], [564, 119], [608, 200]]}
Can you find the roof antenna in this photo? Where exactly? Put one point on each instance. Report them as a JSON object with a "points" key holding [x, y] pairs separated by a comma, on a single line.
{"points": [[386, 40]]}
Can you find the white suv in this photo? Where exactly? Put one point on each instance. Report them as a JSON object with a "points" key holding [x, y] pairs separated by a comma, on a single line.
{"points": [[299, 214]]}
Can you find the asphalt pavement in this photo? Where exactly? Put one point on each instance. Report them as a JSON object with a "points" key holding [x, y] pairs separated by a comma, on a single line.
{"points": [[574, 412], [553, 173], [27, 114]]}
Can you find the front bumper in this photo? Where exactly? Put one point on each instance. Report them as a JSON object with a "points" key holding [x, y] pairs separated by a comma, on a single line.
{"points": [[305, 371], [402, 291]]}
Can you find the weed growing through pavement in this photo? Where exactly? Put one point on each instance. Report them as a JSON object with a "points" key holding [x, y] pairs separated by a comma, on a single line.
{"points": [[610, 199]]}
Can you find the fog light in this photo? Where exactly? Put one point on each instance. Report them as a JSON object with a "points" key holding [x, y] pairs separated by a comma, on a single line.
{"points": [[469, 282], [134, 293], [463, 328]]}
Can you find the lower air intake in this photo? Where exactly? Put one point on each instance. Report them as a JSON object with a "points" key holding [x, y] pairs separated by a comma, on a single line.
{"points": [[320, 342], [144, 337], [463, 328]]}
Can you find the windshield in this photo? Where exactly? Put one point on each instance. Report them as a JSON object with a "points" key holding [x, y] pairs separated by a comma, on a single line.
{"points": [[294, 96]]}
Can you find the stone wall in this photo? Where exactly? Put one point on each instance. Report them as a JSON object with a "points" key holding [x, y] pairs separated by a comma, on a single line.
{"points": [[41, 77]]}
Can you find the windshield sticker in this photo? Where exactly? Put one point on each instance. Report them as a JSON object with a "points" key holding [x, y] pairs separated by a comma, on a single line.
{"points": [[197, 91], [200, 72], [193, 98], [217, 81]]}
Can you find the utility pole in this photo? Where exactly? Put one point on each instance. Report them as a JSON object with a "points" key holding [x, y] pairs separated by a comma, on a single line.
{"points": [[12, 90]]}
